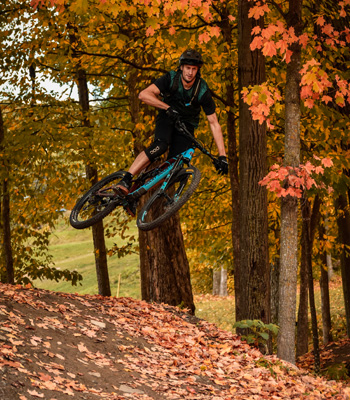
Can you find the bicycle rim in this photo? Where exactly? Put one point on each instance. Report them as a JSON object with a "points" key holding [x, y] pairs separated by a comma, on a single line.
{"points": [[96, 203], [162, 205]]}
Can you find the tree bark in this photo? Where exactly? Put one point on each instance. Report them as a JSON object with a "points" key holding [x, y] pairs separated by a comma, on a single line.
{"points": [[307, 238], [288, 280], [220, 282], [289, 205], [325, 299], [6, 223], [230, 72], [5, 213], [302, 344], [253, 275], [310, 223], [343, 221], [165, 272], [100, 251], [274, 279]]}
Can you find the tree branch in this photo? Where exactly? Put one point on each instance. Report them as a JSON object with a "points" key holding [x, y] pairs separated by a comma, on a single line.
{"points": [[278, 8], [123, 60]]}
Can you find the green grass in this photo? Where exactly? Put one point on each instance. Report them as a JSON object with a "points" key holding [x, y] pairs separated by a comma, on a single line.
{"points": [[73, 250], [217, 310]]}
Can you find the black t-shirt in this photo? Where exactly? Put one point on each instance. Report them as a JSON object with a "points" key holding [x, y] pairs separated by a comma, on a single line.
{"points": [[205, 100]]}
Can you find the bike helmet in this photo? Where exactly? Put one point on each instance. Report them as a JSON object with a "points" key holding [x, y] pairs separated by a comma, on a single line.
{"points": [[191, 57]]}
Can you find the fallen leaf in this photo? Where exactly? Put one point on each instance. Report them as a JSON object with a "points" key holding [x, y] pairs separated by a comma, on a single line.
{"points": [[82, 348], [35, 393]]}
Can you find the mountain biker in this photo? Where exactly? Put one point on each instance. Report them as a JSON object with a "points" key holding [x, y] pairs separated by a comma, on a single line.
{"points": [[183, 94]]}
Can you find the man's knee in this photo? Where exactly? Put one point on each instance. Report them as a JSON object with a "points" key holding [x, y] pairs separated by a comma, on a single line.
{"points": [[156, 149]]}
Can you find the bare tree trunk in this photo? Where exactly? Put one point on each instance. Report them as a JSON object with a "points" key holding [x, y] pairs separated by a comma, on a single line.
{"points": [[100, 251], [165, 272], [220, 282], [307, 238], [226, 27], [302, 345], [253, 294], [6, 223], [289, 205], [274, 278], [325, 299], [288, 280], [343, 221], [5, 213], [310, 222], [329, 263]]}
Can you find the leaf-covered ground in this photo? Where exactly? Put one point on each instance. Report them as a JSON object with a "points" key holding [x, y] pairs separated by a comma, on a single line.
{"points": [[61, 346], [334, 360]]}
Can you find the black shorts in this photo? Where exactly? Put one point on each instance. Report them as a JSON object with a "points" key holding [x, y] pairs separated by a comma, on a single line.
{"points": [[165, 131]]}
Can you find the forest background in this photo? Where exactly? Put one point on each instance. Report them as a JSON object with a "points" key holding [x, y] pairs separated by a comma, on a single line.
{"points": [[279, 76]]}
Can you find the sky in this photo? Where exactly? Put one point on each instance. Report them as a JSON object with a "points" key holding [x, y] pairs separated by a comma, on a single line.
{"points": [[52, 86]]}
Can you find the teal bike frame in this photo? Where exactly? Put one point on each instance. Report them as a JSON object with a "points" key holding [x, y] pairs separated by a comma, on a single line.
{"points": [[103, 197], [165, 171]]}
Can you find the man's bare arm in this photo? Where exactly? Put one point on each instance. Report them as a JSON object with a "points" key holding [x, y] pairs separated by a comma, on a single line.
{"points": [[150, 97], [217, 133]]}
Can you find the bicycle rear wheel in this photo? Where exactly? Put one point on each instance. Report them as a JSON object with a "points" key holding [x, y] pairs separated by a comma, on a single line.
{"points": [[163, 205], [96, 203]]}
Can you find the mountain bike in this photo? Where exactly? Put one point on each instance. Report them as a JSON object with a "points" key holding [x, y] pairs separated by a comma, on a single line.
{"points": [[175, 179]]}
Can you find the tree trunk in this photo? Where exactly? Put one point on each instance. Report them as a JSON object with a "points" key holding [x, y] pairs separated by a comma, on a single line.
{"points": [[253, 276], [307, 238], [5, 213], [325, 299], [100, 251], [6, 223], [310, 223], [230, 72], [220, 282], [302, 345], [343, 220], [288, 280], [274, 279], [165, 272], [164, 268], [329, 263], [289, 205]]}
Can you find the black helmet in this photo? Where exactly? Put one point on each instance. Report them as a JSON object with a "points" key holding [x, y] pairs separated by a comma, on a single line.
{"points": [[191, 57]]}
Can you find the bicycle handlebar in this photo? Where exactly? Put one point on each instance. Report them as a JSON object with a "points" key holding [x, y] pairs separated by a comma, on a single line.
{"points": [[185, 132]]}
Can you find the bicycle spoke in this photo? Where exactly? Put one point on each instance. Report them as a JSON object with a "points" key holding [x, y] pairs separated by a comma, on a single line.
{"points": [[97, 202]]}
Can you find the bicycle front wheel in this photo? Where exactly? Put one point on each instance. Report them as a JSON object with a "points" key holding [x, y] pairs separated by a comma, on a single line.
{"points": [[96, 203], [164, 204]]}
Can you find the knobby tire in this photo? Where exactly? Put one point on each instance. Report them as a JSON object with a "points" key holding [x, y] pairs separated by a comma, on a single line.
{"points": [[99, 210], [161, 207]]}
